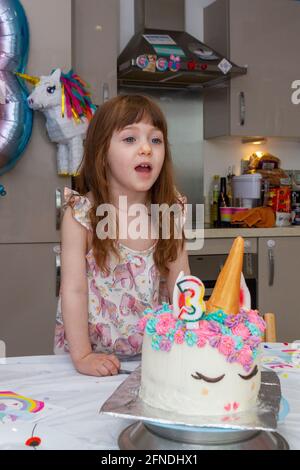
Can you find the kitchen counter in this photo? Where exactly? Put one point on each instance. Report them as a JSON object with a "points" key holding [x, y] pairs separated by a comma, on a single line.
{"points": [[292, 231], [211, 241]]}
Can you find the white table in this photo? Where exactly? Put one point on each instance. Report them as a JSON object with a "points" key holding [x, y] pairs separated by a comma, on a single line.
{"points": [[78, 424]]}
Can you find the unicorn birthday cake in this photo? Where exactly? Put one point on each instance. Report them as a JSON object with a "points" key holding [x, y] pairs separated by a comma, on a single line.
{"points": [[204, 358]]}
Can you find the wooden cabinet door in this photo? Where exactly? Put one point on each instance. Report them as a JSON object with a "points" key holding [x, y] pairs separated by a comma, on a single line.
{"points": [[27, 298], [264, 35], [95, 36], [279, 292]]}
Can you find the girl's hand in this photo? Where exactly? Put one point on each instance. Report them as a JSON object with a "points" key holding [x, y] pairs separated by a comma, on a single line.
{"points": [[98, 364]]}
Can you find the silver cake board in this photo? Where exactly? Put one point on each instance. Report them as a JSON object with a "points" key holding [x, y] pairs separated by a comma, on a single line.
{"points": [[160, 427]]}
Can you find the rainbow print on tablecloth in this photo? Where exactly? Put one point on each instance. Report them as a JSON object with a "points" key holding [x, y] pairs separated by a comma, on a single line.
{"points": [[15, 407]]}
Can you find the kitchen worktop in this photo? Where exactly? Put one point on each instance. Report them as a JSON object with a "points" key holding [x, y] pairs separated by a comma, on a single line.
{"points": [[218, 240], [292, 231]]}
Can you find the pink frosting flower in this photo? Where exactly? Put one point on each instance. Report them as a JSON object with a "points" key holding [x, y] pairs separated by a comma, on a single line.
{"points": [[165, 323], [254, 318], [208, 329], [226, 345], [179, 337], [245, 356], [201, 342], [241, 330], [141, 325]]}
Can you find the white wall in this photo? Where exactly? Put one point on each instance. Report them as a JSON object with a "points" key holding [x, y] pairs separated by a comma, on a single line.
{"points": [[218, 154]]}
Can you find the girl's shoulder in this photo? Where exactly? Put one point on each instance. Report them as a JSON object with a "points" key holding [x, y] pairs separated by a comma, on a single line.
{"points": [[80, 206]]}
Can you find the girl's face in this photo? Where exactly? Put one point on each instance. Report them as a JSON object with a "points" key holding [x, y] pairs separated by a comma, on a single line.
{"points": [[135, 158]]}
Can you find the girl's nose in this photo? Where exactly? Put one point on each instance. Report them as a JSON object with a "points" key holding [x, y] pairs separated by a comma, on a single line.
{"points": [[145, 149]]}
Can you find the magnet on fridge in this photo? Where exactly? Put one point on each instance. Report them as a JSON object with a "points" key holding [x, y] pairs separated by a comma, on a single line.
{"points": [[162, 64], [225, 66], [142, 61], [151, 63], [174, 63]]}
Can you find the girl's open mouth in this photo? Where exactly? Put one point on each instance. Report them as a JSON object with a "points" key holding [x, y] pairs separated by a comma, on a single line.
{"points": [[143, 168]]}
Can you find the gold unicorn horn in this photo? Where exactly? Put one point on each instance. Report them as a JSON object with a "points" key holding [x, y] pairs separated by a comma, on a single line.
{"points": [[29, 78], [226, 293]]}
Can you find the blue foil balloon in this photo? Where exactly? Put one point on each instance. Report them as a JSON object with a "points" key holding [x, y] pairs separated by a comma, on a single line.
{"points": [[15, 115]]}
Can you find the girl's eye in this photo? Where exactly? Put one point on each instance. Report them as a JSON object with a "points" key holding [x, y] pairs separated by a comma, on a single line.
{"points": [[211, 380], [130, 140], [157, 140]]}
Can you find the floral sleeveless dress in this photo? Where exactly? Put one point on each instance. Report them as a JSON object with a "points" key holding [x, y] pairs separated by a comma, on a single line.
{"points": [[115, 301]]}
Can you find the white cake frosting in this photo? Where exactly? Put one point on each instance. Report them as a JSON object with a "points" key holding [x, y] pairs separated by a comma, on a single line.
{"points": [[168, 381]]}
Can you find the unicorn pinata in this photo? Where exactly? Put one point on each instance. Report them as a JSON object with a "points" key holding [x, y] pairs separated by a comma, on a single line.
{"points": [[68, 108]]}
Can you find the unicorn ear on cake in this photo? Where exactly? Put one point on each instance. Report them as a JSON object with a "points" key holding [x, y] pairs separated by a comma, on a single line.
{"points": [[230, 293]]}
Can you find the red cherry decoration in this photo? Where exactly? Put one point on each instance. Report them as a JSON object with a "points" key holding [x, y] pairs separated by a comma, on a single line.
{"points": [[203, 66]]}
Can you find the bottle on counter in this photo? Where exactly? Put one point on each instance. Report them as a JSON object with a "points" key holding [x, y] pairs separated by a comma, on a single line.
{"points": [[214, 201], [230, 175], [223, 201]]}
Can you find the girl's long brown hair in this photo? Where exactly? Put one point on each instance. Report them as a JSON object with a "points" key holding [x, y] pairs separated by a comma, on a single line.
{"points": [[112, 116]]}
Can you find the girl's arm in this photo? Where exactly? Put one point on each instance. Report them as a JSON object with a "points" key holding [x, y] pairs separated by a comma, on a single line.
{"points": [[74, 296], [180, 264]]}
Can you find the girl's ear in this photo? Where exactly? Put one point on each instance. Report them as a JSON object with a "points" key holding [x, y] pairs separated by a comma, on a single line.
{"points": [[56, 74]]}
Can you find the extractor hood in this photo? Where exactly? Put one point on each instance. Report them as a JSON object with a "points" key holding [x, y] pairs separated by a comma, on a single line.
{"points": [[166, 58]]}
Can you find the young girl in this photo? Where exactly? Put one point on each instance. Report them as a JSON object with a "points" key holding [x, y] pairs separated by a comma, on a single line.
{"points": [[106, 283]]}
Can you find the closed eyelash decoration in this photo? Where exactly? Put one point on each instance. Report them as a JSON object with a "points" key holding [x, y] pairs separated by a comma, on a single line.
{"points": [[210, 380], [252, 374]]}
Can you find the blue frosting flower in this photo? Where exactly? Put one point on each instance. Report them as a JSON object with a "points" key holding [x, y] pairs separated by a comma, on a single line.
{"points": [[254, 353], [253, 329], [218, 316], [226, 331], [170, 335], [178, 324], [156, 342], [148, 310], [239, 343], [166, 308], [151, 326], [190, 338]]}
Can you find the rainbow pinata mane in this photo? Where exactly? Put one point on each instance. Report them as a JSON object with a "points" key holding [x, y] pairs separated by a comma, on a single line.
{"points": [[75, 98]]}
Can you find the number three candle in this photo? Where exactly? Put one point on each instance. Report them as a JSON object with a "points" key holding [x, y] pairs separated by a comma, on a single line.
{"points": [[188, 303]]}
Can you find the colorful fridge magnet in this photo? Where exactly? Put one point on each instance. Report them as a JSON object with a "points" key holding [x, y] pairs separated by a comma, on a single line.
{"points": [[162, 64], [142, 61], [174, 63], [151, 63], [225, 66]]}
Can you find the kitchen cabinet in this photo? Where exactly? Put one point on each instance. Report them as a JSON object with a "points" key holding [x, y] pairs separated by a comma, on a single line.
{"points": [[278, 283], [95, 42], [264, 35], [28, 292]]}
